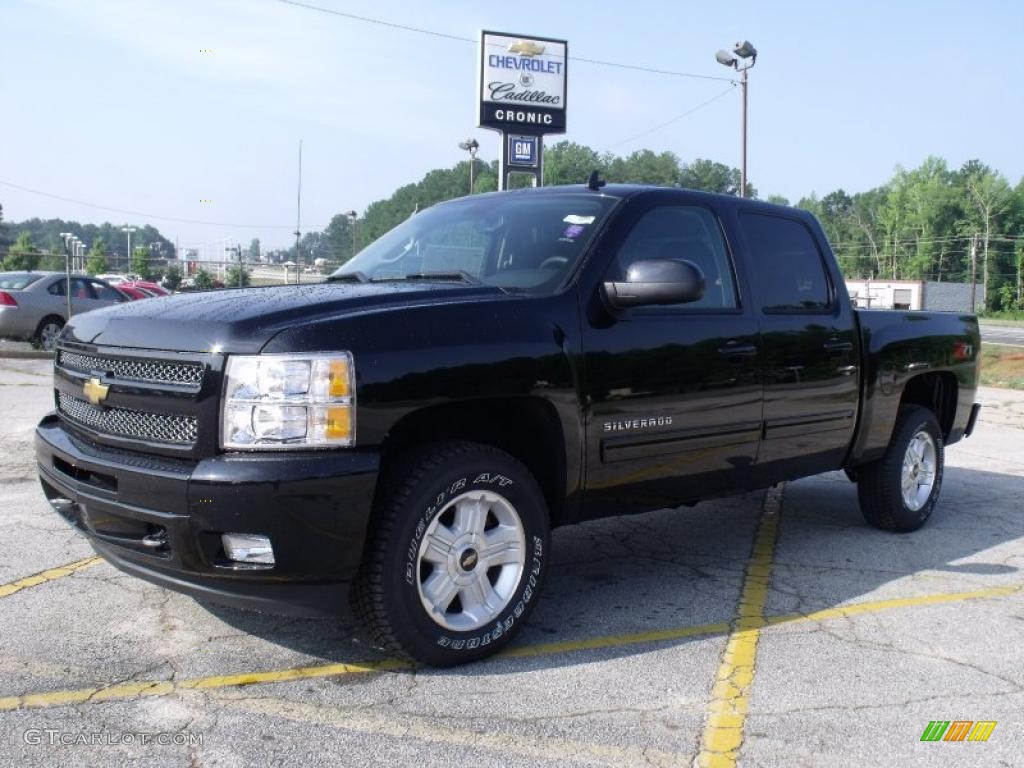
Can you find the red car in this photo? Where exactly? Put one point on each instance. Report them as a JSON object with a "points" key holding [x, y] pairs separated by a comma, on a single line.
{"points": [[154, 289], [133, 293]]}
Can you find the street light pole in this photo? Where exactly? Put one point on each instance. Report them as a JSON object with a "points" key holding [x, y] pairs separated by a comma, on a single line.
{"points": [[748, 53], [472, 146], [128, 231], [352, 217], [68, 239]]}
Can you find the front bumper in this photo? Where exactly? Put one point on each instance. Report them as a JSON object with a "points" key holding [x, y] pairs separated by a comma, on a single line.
{"points": [[162, 518]]}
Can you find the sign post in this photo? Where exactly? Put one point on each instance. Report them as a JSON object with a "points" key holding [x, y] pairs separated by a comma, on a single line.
{"points": [[521, 89]]}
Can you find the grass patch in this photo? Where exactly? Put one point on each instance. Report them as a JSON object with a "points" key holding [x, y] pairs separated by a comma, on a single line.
{"points": [[1002, 366]]}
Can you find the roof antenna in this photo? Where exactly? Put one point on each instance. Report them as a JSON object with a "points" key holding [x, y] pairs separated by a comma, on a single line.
{"points": [[594, 181]]}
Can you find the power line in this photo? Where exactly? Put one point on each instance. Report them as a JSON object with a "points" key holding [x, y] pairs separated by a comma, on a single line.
{"points": [[675, 119], [141, 214], [461, 39]]}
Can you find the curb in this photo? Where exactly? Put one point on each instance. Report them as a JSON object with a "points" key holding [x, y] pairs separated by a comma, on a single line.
{"points": [[26, 354]]}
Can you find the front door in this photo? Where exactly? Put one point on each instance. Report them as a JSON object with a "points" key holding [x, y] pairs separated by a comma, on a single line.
{"points": [[672, 393]]}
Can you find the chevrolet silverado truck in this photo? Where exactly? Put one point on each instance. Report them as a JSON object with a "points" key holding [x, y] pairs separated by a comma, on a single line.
{"points": [[399, 441]]}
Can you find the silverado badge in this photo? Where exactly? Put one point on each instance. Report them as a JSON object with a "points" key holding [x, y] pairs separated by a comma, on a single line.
{"points": [[94, 391]]}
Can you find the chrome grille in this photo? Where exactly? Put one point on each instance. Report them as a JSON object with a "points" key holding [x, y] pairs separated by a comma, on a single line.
{"points": [[149, 371], [137, 425]]}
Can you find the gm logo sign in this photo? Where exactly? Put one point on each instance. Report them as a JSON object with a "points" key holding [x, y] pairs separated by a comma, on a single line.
{"points": [[522, 151]]}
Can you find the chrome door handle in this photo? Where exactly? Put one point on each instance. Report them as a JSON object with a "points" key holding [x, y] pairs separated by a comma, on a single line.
{"points": [[846, 370]]}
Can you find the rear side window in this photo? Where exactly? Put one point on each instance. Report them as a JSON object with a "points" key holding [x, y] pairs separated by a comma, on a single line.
{"points": [[105, 292], [788, 272], [17, 281]]}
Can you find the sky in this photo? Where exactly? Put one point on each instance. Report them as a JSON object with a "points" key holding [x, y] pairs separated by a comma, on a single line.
{"points": [[193, 109]]}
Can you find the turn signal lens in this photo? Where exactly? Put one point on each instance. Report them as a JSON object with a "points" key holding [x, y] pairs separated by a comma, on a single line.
{"points": [[339, 378]]}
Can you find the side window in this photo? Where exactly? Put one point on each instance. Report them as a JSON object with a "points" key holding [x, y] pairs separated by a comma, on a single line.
{"points": [[57, 288], [788, 273], [684, 232], [105, 292], [80, 289]]}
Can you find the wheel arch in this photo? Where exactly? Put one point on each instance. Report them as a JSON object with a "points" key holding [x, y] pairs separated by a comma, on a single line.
{"points": [[938, 392], [527, 428]]}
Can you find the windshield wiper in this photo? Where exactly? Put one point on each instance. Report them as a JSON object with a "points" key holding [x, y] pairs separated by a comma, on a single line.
{"points": [[449, 276], [349, 277]]}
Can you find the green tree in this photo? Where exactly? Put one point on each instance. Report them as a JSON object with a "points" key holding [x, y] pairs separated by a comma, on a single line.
{"points": [[337, 240], [96, 260], [203, 280], [990, 198], [23, 254], [254, 249], [570, 163], [172, 280], [3, 228], [777, 199], [710, 176], [140, 263], [236, 276]]}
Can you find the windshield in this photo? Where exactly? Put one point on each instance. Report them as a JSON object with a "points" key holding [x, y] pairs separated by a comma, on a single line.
{"points": [[515, 242], [16, 281]]}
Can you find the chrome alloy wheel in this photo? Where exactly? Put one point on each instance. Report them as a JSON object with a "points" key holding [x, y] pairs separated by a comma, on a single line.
{"points": [[471, 560], [918, 477]]}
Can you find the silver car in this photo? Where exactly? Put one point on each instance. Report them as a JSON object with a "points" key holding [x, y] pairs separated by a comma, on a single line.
{"points": [[34, 306]]}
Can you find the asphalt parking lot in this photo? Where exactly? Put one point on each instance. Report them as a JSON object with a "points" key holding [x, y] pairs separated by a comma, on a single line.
{"points": [[766, 629]]}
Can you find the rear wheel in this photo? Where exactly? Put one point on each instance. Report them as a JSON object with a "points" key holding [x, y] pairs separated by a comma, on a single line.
{"points": [[48, 331], [457, 554], [899, 491]]}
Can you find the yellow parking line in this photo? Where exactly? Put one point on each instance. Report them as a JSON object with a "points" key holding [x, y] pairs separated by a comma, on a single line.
{"points": [[727, 711], [162, 688], [404, 726], [51, 575], [877, 606]]}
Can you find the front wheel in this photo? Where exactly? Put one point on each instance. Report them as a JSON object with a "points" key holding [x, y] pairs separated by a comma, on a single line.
{"points": [[457, 554], [899, 491]]}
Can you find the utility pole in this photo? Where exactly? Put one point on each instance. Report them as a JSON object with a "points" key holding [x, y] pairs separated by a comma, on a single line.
{"points": [[298, 212], [974, 272]]}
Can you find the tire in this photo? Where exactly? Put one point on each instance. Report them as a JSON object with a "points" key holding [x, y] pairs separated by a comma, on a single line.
{"points": [[915, 452], [47, 331], [441, 515]]}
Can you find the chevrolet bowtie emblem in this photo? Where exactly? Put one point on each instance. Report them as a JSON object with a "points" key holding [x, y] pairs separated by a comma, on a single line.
{"points": [[526, 48], [94, 391]]}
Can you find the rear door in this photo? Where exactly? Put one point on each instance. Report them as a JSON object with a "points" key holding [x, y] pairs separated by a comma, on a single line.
{"points": [[672, 394], [810, 347]]}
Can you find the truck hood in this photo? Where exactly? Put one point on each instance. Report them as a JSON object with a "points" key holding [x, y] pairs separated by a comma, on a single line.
{"points": [[244, 320]]}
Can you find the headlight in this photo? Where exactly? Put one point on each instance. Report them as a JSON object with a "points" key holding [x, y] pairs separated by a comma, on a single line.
{"points": [[280, 402]]}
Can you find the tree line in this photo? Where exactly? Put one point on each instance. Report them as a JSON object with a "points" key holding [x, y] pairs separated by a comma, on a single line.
{"points": [[932, 222]]}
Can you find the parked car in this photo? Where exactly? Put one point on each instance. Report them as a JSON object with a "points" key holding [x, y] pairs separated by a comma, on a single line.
{"points": [[409, 432], [33, 305], [153, 289], [132, 292]]}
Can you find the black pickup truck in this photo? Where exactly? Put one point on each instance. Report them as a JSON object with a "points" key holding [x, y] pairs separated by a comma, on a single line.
{"points": [[403, 437]]}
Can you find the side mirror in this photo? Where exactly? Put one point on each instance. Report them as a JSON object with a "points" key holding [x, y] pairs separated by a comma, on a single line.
{"points": [[661, 281]]}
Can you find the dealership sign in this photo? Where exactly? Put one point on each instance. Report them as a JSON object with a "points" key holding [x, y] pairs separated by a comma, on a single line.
{"points": [[521, 92], [522, 83]]}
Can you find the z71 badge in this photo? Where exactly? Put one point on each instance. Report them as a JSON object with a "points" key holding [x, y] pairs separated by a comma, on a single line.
{"points": [[624, 426]]}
